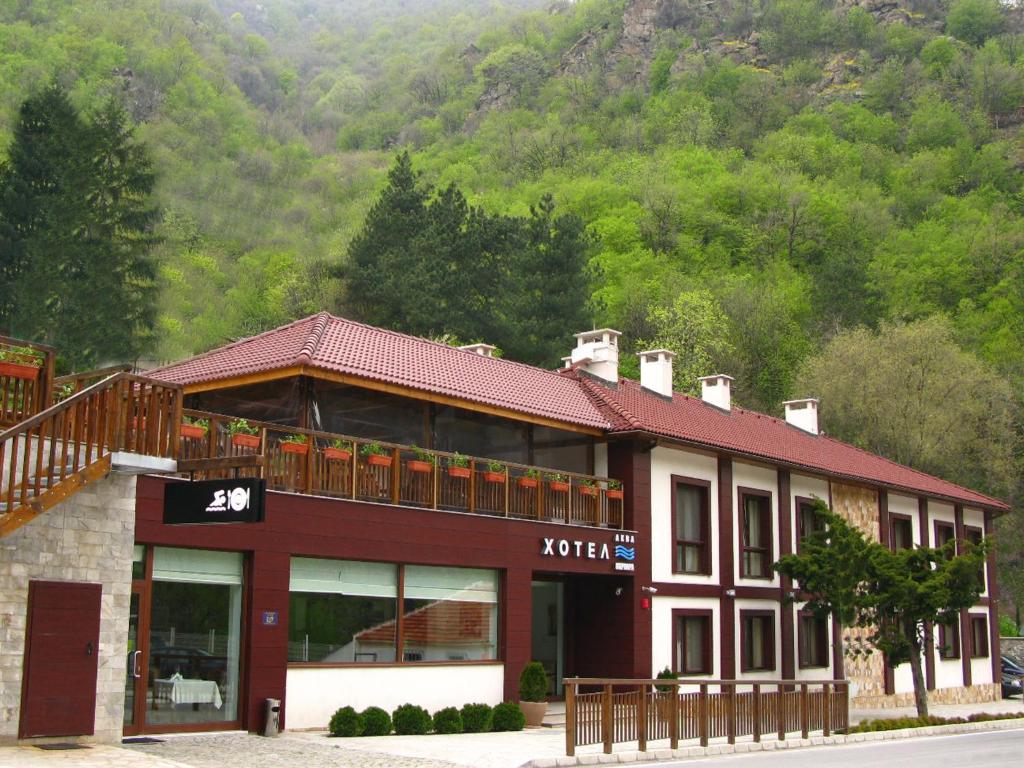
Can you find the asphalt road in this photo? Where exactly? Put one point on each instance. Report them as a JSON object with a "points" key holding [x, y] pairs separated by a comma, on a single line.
{"points": [[996, 749]]}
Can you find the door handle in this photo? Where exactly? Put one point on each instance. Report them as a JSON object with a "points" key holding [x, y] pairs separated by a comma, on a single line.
{"points": [[136, 672], [88, 648]]}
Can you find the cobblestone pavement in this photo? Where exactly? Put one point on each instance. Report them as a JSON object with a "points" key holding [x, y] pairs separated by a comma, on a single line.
{"points": [[96, 756]]}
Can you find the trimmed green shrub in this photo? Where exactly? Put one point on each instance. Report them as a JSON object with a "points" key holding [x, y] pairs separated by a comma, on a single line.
{"points": [[477, 718], [411, 720], [533, 682], [898, 723], [508, 716], [345, 722], [666, 674], [376, 722], [447, 720]]}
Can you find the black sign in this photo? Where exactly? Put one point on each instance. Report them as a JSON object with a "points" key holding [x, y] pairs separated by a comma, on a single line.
{"points": [[238, 500]]}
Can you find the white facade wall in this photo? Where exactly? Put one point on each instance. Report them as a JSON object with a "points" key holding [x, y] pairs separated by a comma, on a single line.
{"points": [[906, 506], [761, 478], [314, 694], [661, 629]]}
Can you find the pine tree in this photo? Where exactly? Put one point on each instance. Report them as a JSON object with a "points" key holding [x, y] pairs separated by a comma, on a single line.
{"points": [[76, 228]]}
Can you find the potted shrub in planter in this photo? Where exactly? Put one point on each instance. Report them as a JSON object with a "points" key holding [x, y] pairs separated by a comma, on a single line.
{"points": [[243, 434], [558, 482], [20, 363], [338, 450], [614, 489], [665, 693], [458, 466], [376, 455], [533, 693], [588, 487], [495, 472], [530, 480], [194, 429], [423, 463], [295, 444]]}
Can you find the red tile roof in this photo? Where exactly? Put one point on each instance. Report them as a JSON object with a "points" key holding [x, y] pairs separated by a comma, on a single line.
{"points": [[631, 408], [343, 346]]}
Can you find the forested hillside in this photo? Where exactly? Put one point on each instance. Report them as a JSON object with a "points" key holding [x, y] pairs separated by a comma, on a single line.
{"points": [[755, 177]]}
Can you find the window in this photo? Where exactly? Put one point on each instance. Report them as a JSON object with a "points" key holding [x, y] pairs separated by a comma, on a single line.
{"points": [[808, 520], [812, 640], [690, 512], [975, 536], [756, 508], [945, 532], [901, 533], [342, 611], [692, 642], [949, 640], [979, 637], [757, 640]]}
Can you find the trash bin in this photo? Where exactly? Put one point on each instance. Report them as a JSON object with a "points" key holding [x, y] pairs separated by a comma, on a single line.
{"points": [[273, 721]]}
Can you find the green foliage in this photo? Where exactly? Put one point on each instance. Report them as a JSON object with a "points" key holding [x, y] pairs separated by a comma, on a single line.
{"points": [[345, 722], [376, 722], [411, 720], [507, 716], [1008, 627], [899, 723], [448, 720], [477, 718], [533, 682], [974, 21], [666, 674]]}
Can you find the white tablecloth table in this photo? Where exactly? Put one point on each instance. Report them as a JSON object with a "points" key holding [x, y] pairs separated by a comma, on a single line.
{"points": [[187, 691]]}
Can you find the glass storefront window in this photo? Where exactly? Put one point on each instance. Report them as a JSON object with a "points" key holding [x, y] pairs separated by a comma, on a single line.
{"points": [[450, 614]]}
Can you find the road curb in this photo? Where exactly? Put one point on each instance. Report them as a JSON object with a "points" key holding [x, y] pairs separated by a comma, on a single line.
{"points": [[692, 753]]}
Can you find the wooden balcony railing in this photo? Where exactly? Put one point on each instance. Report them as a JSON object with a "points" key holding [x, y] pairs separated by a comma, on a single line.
{"points": [[326, 464], [26, 379], [651, 710]]}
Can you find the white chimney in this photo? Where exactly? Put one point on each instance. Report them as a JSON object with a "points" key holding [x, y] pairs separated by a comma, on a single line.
{"points": [[484, 350], [601, 349], [803, 414], [656, 371], [716, 390]]}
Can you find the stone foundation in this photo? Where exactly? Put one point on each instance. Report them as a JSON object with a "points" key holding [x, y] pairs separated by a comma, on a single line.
{"points": [[87, 538], [974, 694]]}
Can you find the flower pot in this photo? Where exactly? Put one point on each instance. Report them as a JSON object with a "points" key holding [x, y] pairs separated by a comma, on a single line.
{"points": [[614, 494], [245, 441], [19, 370], [378, 460], [558, 486], [192, 432], [588, 490], [534, 711], [337, 454], [461, 472], [527, 482], [494, 477], [418, 465], [302, 448]]}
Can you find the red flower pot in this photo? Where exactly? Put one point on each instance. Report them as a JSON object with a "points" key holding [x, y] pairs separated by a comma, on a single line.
{"points": [[558, 486], [192, 432], [494, 477], [245, 441], [337, 454], [302, 448], [527, 482], [377, 460], [417, 465], [462, 472], [589, 490], [19, 371], [614, 494]]}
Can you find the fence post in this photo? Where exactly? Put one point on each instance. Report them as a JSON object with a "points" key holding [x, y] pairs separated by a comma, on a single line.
{"points": [[757, 712], [780, 712], [673, 714], [570, 718], [732, 713], [702, 704], [826, 709], [606, 719], [641, 719], [805, 711]]}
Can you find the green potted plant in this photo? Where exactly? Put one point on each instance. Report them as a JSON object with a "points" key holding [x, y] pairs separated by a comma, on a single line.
{"points": [[614, 489], [20, 363], [243, 434], [194, 429], [588, 487], [338, 450], [557, 482], [663, 697], [295, 444], [376, 455], [423, 463], [533, 693], [458, 466], [495, 472], [530, 480]]}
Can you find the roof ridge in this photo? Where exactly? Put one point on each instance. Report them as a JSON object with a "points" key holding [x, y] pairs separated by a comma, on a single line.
{"points": [[305, 356], [595, 392]]}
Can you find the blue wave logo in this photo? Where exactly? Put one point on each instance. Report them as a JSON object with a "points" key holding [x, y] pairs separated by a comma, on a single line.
{"points": [[625, 553]]}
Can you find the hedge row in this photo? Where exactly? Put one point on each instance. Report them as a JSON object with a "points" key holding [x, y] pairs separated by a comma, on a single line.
{"points": [[898, 723], [411, 720]]}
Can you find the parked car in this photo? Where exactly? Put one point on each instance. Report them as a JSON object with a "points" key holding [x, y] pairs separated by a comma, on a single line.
{"points": [[1013, 678], [192, 663]]}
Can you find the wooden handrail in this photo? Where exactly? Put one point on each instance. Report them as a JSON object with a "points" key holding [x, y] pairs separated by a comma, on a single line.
{"points": [[20, 395]]}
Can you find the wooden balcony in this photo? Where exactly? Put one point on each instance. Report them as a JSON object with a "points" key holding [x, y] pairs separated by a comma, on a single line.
{"points": [[26, 379], [326, 464]]}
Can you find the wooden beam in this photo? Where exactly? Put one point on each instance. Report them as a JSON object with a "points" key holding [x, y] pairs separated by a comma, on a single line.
{"points": [[223, 462]]}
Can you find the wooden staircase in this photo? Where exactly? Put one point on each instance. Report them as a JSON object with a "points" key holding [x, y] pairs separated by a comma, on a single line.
{"points": [[51, 455]]}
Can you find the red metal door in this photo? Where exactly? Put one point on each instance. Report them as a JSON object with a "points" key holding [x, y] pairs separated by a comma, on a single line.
{"points": [[58, 694]]}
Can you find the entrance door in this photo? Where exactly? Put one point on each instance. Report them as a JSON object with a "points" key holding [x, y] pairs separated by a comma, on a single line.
{"points": [[135, 679], [548, 623], [61, 649]]}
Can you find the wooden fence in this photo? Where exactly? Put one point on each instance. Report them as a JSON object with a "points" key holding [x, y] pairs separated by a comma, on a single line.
{"points": [[610, 712]]}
